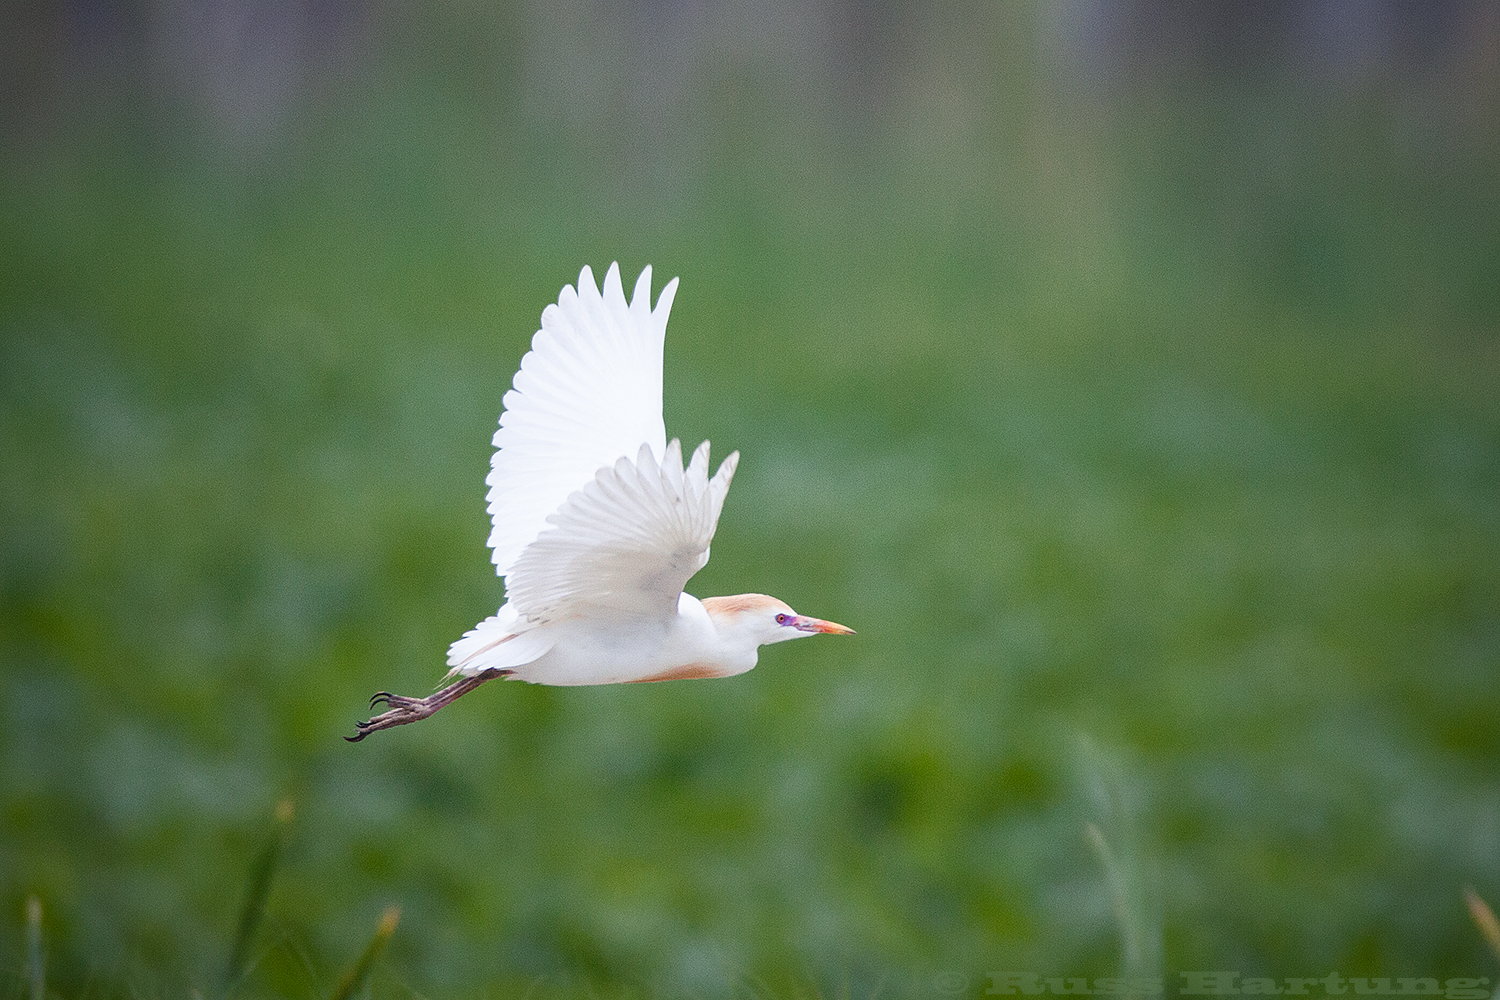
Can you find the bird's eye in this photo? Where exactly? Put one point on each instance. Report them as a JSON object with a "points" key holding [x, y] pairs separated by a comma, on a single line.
{"points": [[782, 619]]}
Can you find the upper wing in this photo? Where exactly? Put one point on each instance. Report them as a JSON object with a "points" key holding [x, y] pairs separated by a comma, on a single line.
{"points": [[626, 543], [588, 392]]}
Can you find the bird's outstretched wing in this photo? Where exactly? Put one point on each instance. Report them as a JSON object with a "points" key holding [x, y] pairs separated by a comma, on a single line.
{"points": [[588, 393], [625, 544]]}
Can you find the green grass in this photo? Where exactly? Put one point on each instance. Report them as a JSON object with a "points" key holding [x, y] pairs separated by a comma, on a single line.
{"points": [[1156, 463]]}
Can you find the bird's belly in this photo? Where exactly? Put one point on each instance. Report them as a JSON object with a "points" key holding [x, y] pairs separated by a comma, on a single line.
{"points": [[621, 656]]}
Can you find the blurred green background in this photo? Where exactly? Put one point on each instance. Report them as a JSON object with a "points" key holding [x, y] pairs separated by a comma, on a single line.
{"points": [[1126, 373]]}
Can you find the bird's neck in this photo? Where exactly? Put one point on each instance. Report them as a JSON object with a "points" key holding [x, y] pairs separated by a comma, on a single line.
{"points": [[735, 644]]}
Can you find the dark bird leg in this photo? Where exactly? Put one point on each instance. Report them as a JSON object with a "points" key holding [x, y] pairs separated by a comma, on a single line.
{"points": [[405, 710]]}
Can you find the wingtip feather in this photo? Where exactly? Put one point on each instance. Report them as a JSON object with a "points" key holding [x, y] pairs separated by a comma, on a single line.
{"points": [[699, 463], [641, 297], [664, 304], [614, 291]]}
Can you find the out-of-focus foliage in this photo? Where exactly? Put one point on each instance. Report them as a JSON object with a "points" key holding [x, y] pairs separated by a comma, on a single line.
{"points": [[1128, 380]]}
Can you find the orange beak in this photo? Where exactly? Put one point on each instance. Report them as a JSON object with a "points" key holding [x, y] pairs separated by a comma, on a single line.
{"points": [[807, 624]]}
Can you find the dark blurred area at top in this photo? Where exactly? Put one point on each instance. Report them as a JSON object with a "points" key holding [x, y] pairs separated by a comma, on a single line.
{"points": [[249, 71]]}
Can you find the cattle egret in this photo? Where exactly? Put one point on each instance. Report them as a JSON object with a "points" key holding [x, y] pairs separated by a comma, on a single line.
{"points": [[598, 524]]}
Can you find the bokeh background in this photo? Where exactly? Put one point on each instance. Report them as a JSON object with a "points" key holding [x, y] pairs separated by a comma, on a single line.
{"points": [[1125, 372]]}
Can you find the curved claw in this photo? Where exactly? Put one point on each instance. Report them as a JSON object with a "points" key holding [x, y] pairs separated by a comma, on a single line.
{"points": [[363, 732], [380, 697]]}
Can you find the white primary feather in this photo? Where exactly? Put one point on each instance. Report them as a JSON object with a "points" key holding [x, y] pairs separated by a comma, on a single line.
{"points": [[588, 393]]}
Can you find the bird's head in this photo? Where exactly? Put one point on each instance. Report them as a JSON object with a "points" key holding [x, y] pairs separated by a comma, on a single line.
{"points": [[765, 619]]}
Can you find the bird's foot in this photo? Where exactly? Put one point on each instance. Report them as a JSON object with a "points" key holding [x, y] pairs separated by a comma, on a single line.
{"points": [[402, 710], [395, 701]]}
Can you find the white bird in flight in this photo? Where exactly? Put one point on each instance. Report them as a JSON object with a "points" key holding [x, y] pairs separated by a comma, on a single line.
{"points": [[598, 525]]}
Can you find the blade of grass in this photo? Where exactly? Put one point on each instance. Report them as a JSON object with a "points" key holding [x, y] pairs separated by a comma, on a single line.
{"points": [[1132, 945], [1127, 870], [1484, 919], [36, 972], [256, 892], [355, 977], [1139, 947]]}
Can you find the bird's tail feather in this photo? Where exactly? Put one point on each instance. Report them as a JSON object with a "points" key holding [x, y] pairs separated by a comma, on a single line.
{"points": [[500, 642]]}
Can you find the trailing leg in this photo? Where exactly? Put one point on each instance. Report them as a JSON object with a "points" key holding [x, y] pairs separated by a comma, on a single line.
{"points": [[403, 710]]}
